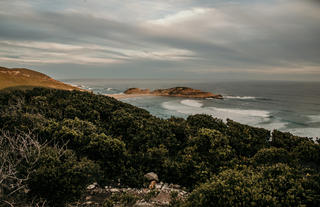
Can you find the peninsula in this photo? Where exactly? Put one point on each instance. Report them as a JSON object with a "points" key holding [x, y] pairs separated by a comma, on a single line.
{"points": [[184, 92]]}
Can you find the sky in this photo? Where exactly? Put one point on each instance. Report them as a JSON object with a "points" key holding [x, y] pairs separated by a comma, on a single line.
{"points": [[163, 39]]}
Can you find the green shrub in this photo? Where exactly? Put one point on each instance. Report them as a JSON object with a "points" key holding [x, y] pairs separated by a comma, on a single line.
{"points": [[277, 185], [198, 121], [127, 142], [271, 156], [308, 151], [110, 154], [205, 154], [59, 176], [247, 140]]}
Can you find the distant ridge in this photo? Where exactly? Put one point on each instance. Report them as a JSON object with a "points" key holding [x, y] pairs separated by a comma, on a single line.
{"points": [[26, 78]]}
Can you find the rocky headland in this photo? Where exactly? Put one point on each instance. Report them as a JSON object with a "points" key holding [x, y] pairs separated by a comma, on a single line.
{"points": [[184, 92]]}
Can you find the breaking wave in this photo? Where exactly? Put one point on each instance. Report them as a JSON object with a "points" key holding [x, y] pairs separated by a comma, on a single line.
{"points": [[192, 103], [239, 97], [314, 118], [190, 107]]}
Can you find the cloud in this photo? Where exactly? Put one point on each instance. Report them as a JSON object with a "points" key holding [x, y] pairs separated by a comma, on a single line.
{"points": [[181, 16], [188, 36]]}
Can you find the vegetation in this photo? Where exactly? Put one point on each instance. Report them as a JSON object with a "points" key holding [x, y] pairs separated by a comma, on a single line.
{"points": [[67, 139], [25, 79]]}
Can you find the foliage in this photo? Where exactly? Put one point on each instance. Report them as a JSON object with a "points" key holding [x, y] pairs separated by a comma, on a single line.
{"points": [[247, 140], [60, 177], [198, 121], [273, 155], [276, 185], [86, 136]]}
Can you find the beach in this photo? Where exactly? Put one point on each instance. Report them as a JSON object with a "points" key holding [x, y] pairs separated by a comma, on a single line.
{"points": [[124, 96]]}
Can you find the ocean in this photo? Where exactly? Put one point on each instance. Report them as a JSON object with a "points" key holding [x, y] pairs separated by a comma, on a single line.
{"points": [[287, 106]]}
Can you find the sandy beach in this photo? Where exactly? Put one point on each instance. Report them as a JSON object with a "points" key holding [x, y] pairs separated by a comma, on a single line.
{"points": [[124, 96]]}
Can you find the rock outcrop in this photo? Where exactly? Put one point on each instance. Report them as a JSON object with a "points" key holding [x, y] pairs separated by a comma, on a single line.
{"points": [[176, 92], [137, 91]]}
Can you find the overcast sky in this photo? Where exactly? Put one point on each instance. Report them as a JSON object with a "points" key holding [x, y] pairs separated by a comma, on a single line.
{"points": [[178, 39]]}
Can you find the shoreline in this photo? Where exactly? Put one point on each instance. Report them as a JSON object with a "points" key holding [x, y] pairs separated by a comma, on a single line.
{"points": [[124, 96]]}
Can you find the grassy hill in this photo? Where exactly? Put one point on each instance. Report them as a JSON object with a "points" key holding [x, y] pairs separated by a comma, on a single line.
{"points": [[25, 78]]}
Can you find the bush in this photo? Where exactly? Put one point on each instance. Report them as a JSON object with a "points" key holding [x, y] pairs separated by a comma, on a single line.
{"points": [[247, 140], [16, 149], [269, 156], [127, 142], [277, 185], [110, 154], [198, 121], [59, 176], [205, 154]]}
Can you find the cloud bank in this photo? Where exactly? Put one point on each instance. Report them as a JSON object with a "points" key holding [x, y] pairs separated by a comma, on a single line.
{"points": [[276, 39]]}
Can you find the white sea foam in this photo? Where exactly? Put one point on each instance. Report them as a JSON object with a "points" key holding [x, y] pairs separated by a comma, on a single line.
{"points": [[245, 112], [192, 103], [241, 115], [273, 125], [239, 97], [314, 118], [310, 132], [109, 89]]}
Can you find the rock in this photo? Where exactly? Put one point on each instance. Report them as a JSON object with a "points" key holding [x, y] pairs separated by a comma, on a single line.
{"points": [[151, 176], [176, 186], [159, 196], [165, 186], [114, 190], [88, 203], [143, 204], [137, 91], [176, 91], [162, 198], [158, 186], [92, 186]]}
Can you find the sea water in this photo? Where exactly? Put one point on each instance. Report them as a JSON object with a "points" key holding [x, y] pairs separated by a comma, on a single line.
{"points": [[286, 106]]}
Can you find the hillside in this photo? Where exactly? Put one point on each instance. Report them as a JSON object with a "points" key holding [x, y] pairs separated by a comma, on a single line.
{"points": [[55, 143], [21, 77]]}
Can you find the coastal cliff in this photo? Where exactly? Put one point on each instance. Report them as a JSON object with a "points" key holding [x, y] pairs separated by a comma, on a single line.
{"points": [[176, 92]]}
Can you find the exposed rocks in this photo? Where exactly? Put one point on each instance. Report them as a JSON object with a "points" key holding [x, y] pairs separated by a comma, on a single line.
{"points": [[161, 195], [137, 91], [176, 92], [92, 186]]}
